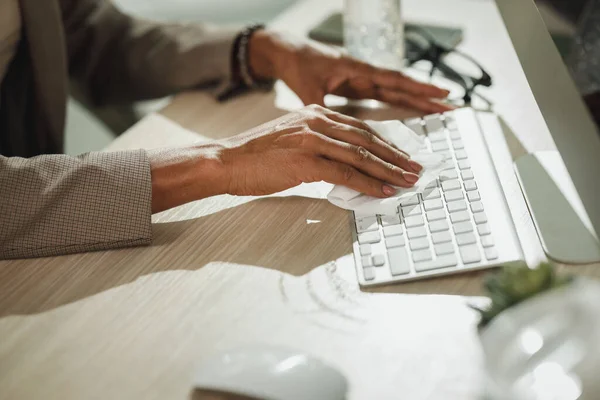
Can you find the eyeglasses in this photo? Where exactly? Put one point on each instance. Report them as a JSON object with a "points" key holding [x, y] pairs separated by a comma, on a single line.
{"points": [[451, 63]]}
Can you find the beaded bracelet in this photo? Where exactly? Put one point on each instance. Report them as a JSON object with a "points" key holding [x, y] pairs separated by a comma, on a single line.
{"points": [[243, 60]]}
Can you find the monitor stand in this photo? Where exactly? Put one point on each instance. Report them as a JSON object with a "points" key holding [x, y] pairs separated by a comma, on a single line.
{"points": [[562, 224]]}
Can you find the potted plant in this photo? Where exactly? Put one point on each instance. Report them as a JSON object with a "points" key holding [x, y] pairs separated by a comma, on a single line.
{"points": [[540, 335]]}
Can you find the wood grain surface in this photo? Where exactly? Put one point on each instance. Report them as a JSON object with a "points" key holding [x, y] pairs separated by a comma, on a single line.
{"points": [[230, 271]]}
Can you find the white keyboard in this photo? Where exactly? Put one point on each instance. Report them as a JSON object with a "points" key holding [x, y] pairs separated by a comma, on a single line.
{"points": [[446, 229]]}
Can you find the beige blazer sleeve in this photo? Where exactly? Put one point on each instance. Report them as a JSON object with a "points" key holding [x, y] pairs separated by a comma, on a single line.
{"points": [[120, 59], [57, 204]]}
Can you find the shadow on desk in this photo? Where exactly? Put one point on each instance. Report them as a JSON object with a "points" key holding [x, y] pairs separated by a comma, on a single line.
{"points": [[292, 235]]}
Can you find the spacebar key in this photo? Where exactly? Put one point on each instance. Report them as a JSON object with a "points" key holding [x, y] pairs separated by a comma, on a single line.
{"points": [[440, 262], [399, 263]]}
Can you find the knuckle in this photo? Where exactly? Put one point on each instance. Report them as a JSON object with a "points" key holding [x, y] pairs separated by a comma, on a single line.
{"points": [[348, 173], [362, 154], [363, 125], [368, 136], [400, 157], [315, 107], [391, 169]]}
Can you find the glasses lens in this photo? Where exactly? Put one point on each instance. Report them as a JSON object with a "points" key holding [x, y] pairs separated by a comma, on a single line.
{"points": [[464, 66]]}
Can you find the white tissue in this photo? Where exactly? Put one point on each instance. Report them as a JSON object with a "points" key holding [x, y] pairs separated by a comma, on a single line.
{"points": [[410, 142]]}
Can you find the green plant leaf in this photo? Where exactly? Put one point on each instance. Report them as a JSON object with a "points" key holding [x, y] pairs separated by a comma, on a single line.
{"points": [[515, 284]]}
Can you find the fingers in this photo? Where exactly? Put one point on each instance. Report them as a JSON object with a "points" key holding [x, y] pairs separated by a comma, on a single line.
{"points": [[395, 80], [418, 103], [365, 138], [357, 123], [390, 79], [337, 173], [363, 160]]}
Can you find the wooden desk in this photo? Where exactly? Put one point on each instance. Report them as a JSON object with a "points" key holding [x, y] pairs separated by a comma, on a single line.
{"points": [[227, 271]]}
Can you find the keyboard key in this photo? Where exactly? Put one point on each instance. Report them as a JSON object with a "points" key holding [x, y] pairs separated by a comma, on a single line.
{"points": [[463, 227], [366, 262], [378, 260], [465, 238], [433, 204], [422, 255], [434, 193], [436, 215], [466, 174], [473, 196], [440, 262], [476, 206], [437, 137], [450, 185], [490, 253], [439, 146], [459, 216], [441, 237], [369, 237], [456, 206], [411, 201], [487, 241], [454, 195], [399, 263], [483, 229], [444, 248], [394, 241], [387, 220], [411, 210], [366, 224], [460, 154], [433, 123], [416, 126], [454, 133], [439, 226], [449, 174], [464, 164], [480, 218], [458, 144], [363, 214], [416, 232], [369, 273], [470, 254], [392, 230], [365, 249], [419, 244], [470, 185], [413, 220]]}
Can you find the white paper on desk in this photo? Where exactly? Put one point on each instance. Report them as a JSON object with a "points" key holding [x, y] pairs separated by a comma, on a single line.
{"points": [[410, 142]]}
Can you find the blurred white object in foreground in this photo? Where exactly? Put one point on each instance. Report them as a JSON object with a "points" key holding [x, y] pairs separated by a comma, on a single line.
{"points": [[546, 348]]}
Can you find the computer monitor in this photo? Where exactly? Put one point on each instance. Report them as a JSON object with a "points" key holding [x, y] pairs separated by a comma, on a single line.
{"points": [[575, 135]]}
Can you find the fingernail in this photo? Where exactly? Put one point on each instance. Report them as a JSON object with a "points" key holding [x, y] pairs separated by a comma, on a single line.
{"points": [[415, 166], [388, 190], [410, 177]]}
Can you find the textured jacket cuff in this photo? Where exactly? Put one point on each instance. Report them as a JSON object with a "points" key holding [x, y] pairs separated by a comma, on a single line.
{"points": [[61, 204]]}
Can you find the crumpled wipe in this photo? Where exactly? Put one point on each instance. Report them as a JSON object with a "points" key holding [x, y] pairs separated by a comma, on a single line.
{"points": [[407, 140]]}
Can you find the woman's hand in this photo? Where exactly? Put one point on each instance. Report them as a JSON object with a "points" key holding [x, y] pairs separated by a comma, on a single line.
{"points": [[310, 145], [313, 70]]}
